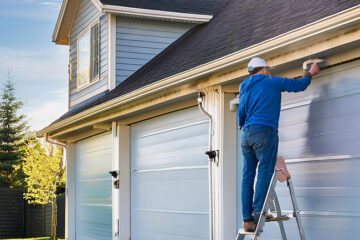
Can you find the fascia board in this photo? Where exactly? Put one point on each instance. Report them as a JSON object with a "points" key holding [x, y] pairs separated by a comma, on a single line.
{"points": [[156, 14]]}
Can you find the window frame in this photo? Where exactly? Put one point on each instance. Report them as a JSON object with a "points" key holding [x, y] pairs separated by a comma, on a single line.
{"points": [[80, 36]]}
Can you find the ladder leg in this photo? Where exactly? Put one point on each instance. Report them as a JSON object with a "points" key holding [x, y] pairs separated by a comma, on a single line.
{"points": [[240, 236], [296, 209], [266, 206], [279, 214]]}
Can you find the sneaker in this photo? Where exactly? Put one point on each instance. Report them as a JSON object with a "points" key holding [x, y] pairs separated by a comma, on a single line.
{"points": [[249, 226]]}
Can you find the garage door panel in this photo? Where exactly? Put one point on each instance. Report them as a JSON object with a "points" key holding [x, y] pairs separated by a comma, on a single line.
{"points": [[165, 226], [95, 214], [294, 132], [310, 111], [174, 190], [316, 227], [93, 188], [94, 191], [183, 148], [169, 177], [322, 173], [182, 157], [338, 81]]}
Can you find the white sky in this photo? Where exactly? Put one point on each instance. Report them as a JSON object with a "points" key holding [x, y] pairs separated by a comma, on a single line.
{"points": [[39, 66]]}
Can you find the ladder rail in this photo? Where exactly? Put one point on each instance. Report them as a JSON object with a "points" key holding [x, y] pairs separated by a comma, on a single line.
{"points": [[266, 206], [279, 214], [296, 212]]}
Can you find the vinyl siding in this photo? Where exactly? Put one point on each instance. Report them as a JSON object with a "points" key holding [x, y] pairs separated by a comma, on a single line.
{"points": [[139, 40], [87, 14]]}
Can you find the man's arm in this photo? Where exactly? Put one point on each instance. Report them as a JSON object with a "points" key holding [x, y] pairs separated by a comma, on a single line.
{"points": [[298, 85], [241, 114], [294, 85]]}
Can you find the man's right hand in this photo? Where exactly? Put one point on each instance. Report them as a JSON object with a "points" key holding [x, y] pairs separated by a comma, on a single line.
{"points": [[314, 69]]}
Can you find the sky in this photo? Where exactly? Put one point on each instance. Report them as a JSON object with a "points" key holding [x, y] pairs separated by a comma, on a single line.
{"points": [[38, 66]]}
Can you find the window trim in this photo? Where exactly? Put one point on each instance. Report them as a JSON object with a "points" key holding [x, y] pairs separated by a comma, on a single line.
{"points": [[92, 81]]}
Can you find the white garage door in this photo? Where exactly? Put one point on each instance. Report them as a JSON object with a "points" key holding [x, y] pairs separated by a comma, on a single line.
{"points": [[169, 177], [93, 188], [320, 138]]}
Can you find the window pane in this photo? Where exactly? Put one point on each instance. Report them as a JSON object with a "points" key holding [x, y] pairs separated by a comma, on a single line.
{"points": [[94, 51], [84, 60]]}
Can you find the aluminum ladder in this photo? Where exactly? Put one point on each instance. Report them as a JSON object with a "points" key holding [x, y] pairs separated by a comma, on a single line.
{"points": [[272, 203]]}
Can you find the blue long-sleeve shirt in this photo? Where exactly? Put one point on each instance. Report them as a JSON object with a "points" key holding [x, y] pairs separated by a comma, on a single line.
{"points": [[260, 98]]}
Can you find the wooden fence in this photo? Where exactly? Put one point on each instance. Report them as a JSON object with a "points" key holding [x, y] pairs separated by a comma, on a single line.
{"points": [[19, 219]]}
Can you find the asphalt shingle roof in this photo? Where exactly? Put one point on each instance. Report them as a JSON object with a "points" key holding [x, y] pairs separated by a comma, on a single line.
{"points": [[238, 25]]}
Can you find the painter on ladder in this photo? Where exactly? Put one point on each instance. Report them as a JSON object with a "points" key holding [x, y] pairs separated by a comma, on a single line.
{"points": [[258, 116]]}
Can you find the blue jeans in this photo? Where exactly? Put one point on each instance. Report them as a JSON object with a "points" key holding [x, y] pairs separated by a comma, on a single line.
{"points": [[259, 147]]}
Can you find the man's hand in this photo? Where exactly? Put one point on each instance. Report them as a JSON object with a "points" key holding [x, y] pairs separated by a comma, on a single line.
{"points": [[281, 165], [314, 69]]}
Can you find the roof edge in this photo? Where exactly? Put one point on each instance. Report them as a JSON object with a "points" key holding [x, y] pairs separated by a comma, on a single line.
{"points": [[333, 22], [157, 14], [59, 20]]}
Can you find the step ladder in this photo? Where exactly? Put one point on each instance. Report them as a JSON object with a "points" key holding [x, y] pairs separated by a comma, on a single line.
{"points": [[272, 203]]}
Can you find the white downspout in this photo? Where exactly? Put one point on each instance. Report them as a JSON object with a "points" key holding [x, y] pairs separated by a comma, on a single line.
{"points": [[212, 156]]}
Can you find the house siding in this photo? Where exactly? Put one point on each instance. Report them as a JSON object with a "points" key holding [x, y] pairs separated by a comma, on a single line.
{"points": [[139, 40], [87, 13]]}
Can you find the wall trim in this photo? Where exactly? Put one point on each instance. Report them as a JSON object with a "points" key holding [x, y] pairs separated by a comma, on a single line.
{"points": [[111, 51]]}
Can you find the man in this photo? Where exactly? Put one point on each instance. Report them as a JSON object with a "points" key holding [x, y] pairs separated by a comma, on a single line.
{"points": [[258, 115]]}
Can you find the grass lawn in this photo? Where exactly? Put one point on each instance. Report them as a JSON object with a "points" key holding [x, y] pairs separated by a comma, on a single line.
{"points": [[41, 238]]}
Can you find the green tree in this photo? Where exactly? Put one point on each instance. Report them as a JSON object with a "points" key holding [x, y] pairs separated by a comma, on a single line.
{"points": [[12, 130], [43, 166]]}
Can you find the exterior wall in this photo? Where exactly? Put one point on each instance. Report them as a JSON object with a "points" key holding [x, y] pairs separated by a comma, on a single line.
{"points": [[139, 40], [87, 13]]}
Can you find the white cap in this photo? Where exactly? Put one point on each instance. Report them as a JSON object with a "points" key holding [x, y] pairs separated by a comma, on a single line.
{"points": [[255, 63]]}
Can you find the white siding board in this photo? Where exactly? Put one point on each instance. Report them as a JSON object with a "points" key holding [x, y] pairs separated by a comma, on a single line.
{"points": [[145, 38], [122, 42], [139, 40], [91, 88], [146, 32], [144, 50], [86, 14], [131, 61]]}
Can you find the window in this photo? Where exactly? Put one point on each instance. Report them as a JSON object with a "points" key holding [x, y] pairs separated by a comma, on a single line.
{"points": [[88, 57]]}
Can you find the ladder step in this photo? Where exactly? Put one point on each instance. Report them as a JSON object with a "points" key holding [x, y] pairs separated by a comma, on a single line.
{"points": [[278, 219], [243, 232]]}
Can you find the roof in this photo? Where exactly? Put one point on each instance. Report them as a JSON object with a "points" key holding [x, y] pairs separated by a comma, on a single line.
{"points": [[238, 25], [198, 11], [207, 7]]}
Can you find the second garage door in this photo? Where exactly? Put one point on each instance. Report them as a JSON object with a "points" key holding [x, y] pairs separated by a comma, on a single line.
{"points": [[169, 177]]}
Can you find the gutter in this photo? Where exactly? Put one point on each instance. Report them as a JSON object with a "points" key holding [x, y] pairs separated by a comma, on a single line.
{"points": [[54, 142], [346, 17]]}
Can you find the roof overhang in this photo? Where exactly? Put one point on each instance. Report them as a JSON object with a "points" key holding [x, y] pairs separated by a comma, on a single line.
{"points": [[69, 7], [300, 37]]}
